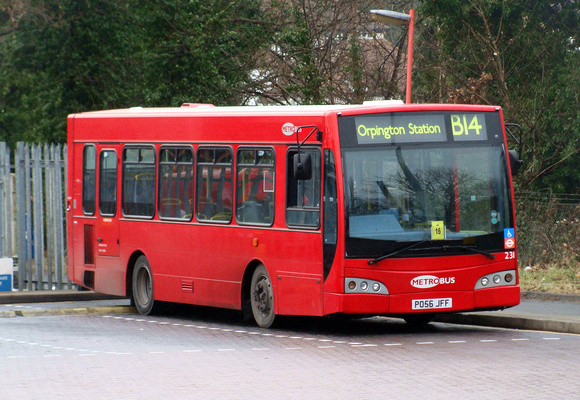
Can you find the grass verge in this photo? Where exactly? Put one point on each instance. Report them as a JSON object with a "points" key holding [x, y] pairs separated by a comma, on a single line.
{"points": [[548, 246]]}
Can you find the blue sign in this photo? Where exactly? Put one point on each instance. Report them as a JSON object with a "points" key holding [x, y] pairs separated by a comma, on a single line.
{"points": [[5, 283], [509, 233]]}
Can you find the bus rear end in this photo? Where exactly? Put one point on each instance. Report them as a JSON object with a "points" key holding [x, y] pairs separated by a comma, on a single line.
{"points": [[429, 218]]}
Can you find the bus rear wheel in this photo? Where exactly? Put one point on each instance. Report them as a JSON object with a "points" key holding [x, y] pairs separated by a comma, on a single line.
{"points": [[143, 286], [262, 297]]}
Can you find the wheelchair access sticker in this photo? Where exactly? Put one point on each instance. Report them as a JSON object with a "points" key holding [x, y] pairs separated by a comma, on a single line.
{"points": [[509, 238]]}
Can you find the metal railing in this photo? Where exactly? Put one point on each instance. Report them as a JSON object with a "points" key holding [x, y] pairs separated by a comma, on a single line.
{"points": [[33, 215]]}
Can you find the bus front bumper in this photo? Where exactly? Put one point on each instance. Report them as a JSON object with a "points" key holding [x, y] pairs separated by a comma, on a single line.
{"points": [[422, 302]]}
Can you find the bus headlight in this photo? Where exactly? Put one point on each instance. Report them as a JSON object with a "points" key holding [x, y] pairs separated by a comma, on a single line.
{"points": [[357, 285], [503, 278]]}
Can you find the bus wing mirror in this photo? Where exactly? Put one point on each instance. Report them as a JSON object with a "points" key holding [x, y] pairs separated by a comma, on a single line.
{"points": [[515, 162], [302, 167]]}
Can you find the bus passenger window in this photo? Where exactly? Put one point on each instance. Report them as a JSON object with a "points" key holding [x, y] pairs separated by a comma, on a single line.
{"points": [[214, 186], [139, 181], [255, 186], [176, 182], [303, 196], [89, 179], [108, 183]]}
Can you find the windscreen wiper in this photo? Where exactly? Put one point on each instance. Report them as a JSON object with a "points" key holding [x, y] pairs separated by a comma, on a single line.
{"points": [[412, 245], [385, 256], [473, 249]]}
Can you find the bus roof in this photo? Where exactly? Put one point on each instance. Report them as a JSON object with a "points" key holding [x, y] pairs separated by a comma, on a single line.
{"points": [[189, 109]]}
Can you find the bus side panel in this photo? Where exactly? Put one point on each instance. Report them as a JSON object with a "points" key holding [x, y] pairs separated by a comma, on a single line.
{"points": [[205, 264], [299, 296], [188, 290], [109, 276]]}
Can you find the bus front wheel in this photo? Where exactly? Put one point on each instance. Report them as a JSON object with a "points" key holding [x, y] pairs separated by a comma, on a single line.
{"points": [[143, 286], [262, 297]]}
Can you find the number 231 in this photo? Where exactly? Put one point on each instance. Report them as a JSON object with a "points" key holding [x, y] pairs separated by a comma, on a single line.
{"points": [[510, 255]]}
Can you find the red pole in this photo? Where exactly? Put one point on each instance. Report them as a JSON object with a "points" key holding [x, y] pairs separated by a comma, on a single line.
{"points": [[410, 56]]}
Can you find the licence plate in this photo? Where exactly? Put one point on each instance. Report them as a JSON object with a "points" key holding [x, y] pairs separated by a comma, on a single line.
{"points": [[430, 304]]}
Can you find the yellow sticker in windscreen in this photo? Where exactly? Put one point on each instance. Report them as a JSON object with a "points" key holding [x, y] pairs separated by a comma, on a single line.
{"points": [[437, 230]]}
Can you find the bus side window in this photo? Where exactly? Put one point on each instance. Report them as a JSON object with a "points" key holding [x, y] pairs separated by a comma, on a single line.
{"points": [[255, 186], [108, 183], [303, 196], [176, 182], [214, 184], [89, 179], [139, 181]]}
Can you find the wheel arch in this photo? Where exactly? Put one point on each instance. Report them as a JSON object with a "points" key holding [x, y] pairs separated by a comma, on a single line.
{"points": [[245, 291], [129, 273]]}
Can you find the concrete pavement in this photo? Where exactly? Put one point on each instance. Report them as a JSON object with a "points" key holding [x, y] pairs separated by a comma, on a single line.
{"points": [[64, 302], [537, 311]]}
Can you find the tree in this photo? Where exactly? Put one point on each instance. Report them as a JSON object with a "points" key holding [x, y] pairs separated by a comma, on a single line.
{"points": [[73, 56], [66, 57], [198, 51], [327, 52], [520, 54]]}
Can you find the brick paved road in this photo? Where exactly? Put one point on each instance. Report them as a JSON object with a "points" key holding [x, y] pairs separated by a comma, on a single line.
{"points": [[198, 357]]}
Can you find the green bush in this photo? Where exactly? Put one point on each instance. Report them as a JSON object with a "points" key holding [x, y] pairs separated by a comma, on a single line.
{"points": [[548, 244]]}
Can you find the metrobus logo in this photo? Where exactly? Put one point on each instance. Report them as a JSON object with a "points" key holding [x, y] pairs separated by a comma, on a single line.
{"points": [[288, 129], [429, 281]]}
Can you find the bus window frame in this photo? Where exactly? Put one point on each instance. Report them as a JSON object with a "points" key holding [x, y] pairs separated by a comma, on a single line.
{"points": [[199, 164], [84, 182], [290, 177], [186, 218], [101, 190], [123, 163], [262, 167]]}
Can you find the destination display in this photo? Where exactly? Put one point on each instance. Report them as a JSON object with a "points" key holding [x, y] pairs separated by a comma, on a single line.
{"points": [[409, 128], [468, 127]]}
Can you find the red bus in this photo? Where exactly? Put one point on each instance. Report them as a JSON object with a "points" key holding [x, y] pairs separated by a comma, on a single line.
{"points": [[382, 209]]}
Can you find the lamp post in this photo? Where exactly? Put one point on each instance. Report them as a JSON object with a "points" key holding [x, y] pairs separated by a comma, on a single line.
{"points": [[401, 19]]}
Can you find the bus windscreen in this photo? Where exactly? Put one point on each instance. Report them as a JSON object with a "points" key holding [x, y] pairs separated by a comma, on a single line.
{"points": [[424, 179]]}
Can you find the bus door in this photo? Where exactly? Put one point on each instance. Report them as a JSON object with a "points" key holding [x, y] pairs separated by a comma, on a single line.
{"points": [[300, 285], [107, 223], [83, 205]]}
